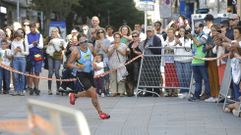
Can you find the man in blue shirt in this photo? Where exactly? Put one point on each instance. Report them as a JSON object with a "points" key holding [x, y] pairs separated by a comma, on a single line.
{"points": [[34, 41]]}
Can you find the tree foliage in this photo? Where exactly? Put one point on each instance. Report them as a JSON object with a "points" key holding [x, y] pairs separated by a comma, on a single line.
{"points": [[119, 12], [113, 12], [61, 8]]}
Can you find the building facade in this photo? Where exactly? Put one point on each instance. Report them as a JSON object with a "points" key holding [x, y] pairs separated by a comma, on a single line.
{"points": [[9, 12]]}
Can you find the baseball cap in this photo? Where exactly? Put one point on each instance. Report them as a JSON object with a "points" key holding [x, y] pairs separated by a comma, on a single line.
{"points": [[149, 28], [74, 30], [209, 17], [26, 23], [234, 16]]}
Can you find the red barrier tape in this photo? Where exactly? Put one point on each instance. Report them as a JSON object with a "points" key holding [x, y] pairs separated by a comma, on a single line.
{"points": [[62, 80], [112, 70], [34, 76], [214, 58], [101, 75]]}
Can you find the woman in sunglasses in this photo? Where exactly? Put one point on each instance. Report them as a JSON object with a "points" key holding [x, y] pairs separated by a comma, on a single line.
{"points": [[133, 68], [55, 58], [101, 47]]}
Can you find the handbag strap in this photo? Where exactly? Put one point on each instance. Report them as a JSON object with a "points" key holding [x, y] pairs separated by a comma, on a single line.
{"points": [[24, 47], [118, 56], [54, 48]]}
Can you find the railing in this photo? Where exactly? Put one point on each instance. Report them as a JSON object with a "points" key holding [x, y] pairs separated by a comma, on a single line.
{"points": [[37, 125]]}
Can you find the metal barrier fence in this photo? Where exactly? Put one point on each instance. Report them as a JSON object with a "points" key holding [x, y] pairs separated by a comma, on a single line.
{"points": [[225, 91], [56, 111], [169, 71], [225, 86], [164, 72], [38, 125]]}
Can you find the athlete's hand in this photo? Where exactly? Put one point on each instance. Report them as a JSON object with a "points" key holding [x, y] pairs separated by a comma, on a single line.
{"points": [[80, 66], [94, 66]]}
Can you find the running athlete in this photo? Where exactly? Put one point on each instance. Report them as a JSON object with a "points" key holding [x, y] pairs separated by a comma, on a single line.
{"points": [[81, 58]]}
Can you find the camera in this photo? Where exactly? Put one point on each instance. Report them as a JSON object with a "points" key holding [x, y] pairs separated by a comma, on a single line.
{"points": [[187, 31]]}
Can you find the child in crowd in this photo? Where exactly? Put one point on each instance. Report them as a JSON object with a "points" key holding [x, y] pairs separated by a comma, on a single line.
{"points": [[5, 58], [98, 66]]}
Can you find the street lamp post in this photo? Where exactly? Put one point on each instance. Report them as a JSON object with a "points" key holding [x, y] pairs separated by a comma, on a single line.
{"points": [[18, 18], [145, 5], [108, 19], [218, 6]]}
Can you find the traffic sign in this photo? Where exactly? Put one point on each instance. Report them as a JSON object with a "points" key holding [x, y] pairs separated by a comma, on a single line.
{"points": [[147, 0], [165, 8], [145, 7], [61, 25]]}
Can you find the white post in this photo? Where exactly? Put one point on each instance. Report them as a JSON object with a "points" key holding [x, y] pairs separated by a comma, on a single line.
{"points": [[145, 17], [238, 7], [108, 11], [145, 21], [42, 20]]}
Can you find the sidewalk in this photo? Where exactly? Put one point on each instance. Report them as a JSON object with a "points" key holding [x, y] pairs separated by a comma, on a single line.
{"points": [[137, 116], [134, 116]]}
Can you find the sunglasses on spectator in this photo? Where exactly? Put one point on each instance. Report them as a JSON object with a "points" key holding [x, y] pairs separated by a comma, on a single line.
{"points": [[83, 42], [135, 36], [233, 19]]}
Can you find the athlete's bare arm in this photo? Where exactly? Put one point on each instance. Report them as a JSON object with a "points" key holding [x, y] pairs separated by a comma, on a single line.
{"points": [[75, 55], [91, 47]]}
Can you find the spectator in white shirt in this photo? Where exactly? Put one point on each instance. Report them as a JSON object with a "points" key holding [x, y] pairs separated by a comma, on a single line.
{"points": [[19, 51], [5, 58]]}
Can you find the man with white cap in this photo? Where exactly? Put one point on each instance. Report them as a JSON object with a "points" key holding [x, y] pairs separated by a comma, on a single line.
{"points": [[233, 22], [152, 46], [234, 19], [151, 41], [74, 33]]}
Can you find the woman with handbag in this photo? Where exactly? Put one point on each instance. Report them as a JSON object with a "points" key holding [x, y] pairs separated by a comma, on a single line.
{"points": [[55, 58], [117, 53]]}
